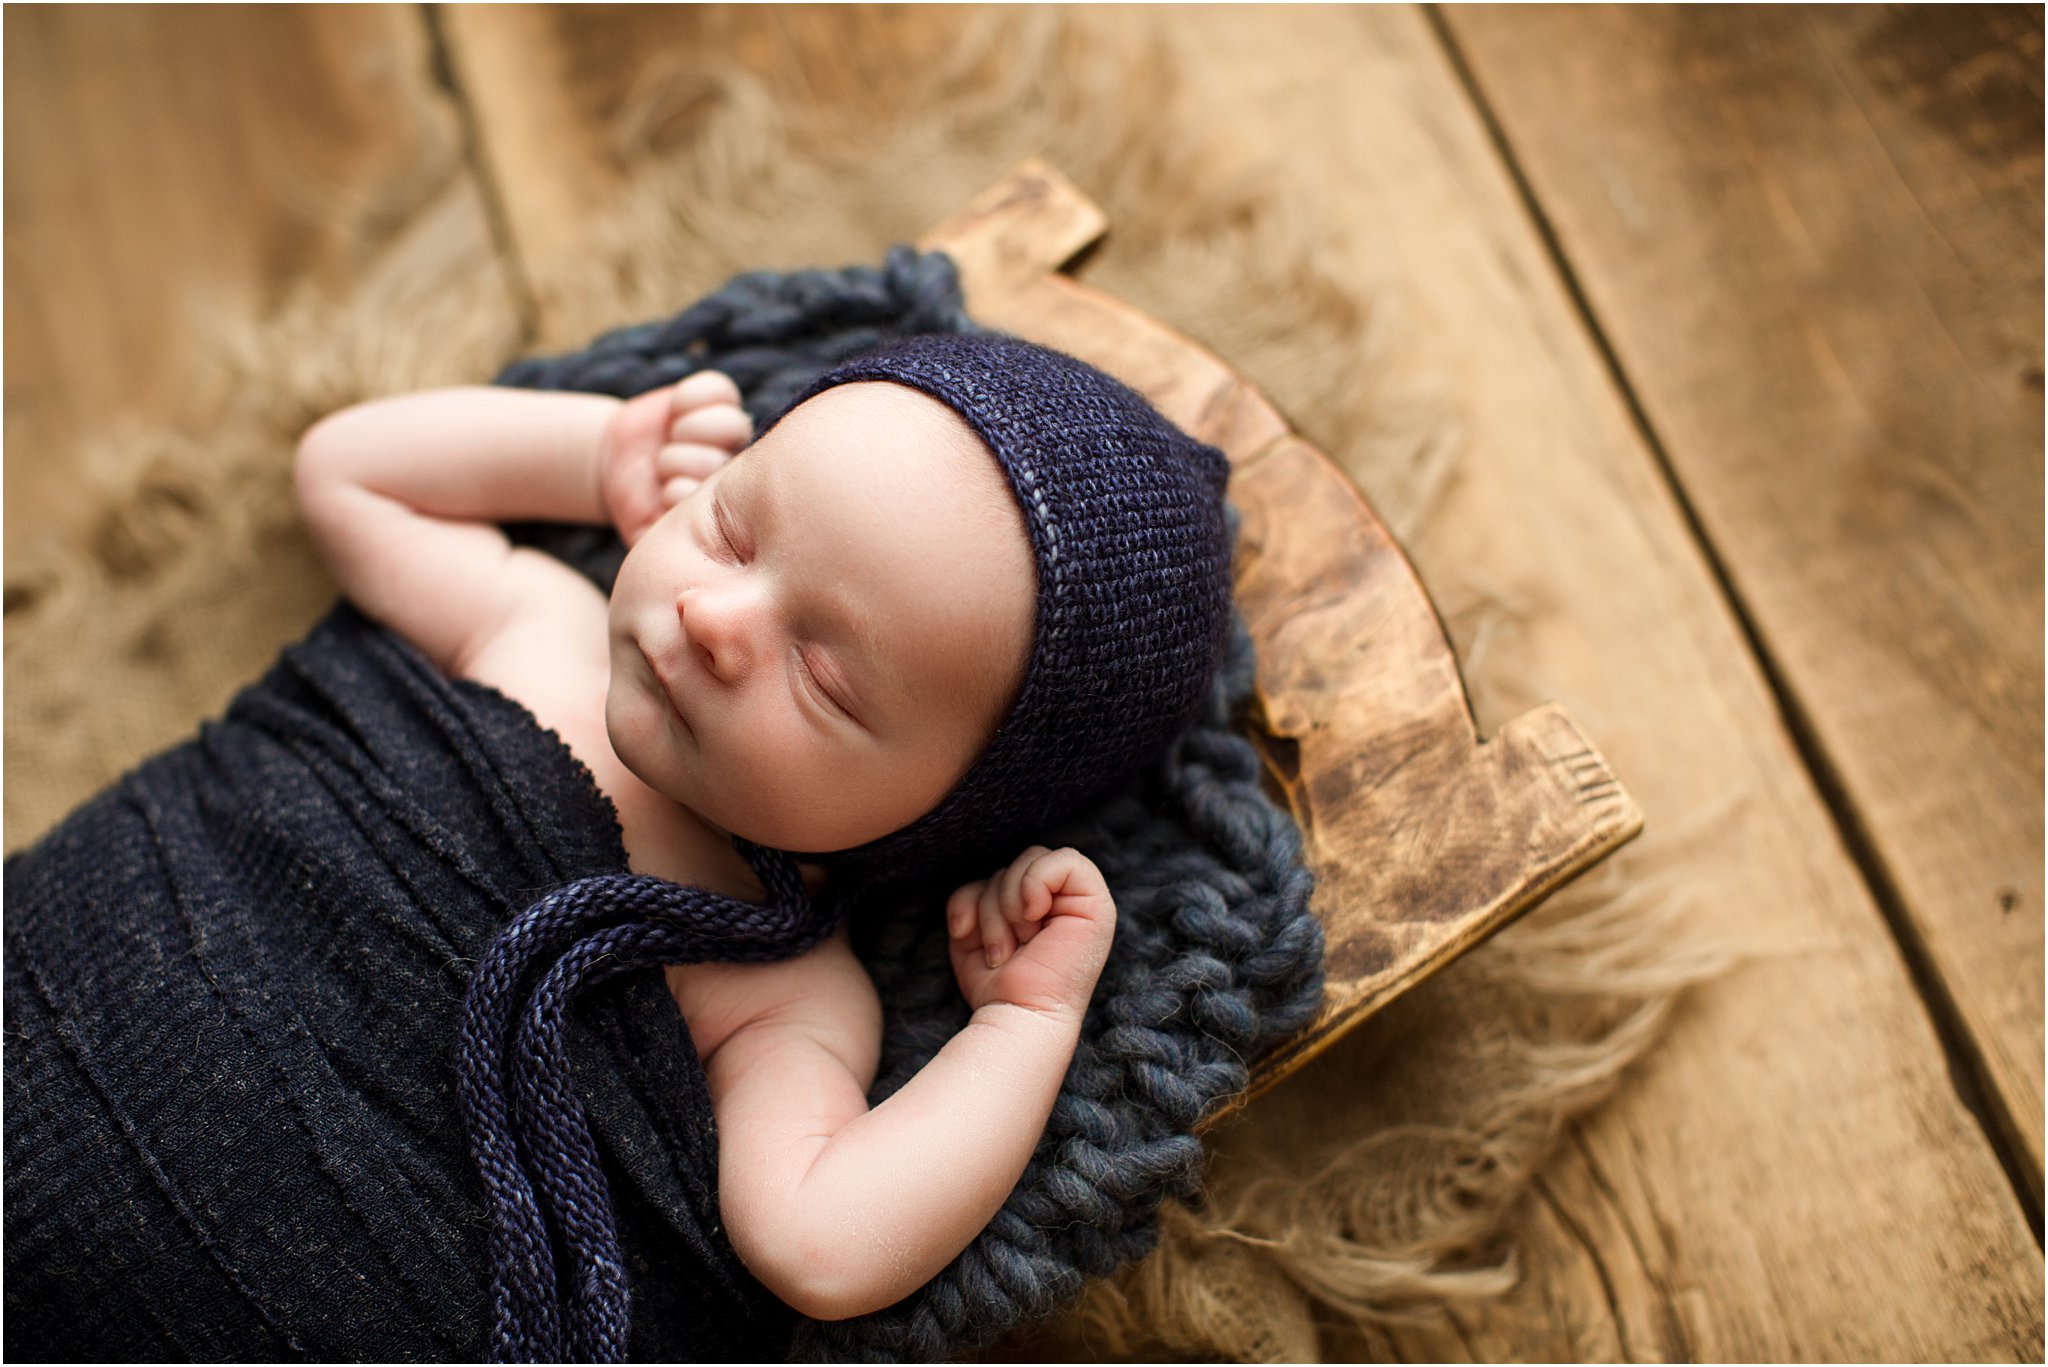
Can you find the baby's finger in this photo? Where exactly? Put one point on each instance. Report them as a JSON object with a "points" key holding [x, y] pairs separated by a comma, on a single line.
{"points": [[960, 910], [675, 490], [1037, 894], [724, 425], [705, 387], [1013, 879], [693, 459], [995, 930]]}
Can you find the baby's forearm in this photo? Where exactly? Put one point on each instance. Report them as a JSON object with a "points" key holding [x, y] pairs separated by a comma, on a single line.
{"points": [[842, 1221], [475, 453]]}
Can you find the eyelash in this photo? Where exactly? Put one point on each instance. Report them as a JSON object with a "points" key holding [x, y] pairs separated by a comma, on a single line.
{"points": [[817, 686], [722, 524]]}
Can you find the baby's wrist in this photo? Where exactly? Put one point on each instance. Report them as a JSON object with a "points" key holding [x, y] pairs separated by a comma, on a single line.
{"points": [[1049, 1019]]}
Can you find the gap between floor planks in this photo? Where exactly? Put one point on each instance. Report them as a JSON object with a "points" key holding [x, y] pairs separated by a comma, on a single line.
{"points": [[1966, 1064]]}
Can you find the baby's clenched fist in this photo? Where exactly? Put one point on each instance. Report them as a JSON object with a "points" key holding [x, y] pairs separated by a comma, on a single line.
{"points": [[660, 446], [1035, 934]]}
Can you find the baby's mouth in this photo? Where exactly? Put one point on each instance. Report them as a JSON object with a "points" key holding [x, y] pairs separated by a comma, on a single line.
{"points": [[668, 693]]}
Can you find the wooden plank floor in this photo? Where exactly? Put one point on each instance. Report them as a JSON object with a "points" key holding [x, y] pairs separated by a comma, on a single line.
{"points": [[168, 166], [1740, 311], [1814, 247]]}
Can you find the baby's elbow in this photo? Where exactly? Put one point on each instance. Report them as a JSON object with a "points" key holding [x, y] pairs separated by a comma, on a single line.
{"points": [[818, 1265], [825, 1302], [320, 443], [319, 468], [348, 446], [825, 1284]]}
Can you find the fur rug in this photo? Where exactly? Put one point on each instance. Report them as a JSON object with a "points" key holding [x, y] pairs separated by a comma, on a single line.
{"points": [[1380, 1182]]}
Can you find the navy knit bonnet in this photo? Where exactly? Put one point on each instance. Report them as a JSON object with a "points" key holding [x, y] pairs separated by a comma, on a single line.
{"points": [[1125, 516]]}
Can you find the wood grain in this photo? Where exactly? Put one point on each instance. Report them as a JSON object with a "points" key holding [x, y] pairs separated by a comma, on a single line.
{"points": [[573, 101], [1813, 237], [1791, 1173], [171, 166]]}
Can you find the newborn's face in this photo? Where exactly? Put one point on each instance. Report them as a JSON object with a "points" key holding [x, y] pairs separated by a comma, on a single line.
{"points": [[811, 649]]}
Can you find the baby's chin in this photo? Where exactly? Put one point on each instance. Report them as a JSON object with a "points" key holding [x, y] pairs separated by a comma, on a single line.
{"points": [[641, 743], [782, 829]]}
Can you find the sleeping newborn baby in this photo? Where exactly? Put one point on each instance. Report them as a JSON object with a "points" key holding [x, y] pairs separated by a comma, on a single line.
{"points": [[960, 587]]}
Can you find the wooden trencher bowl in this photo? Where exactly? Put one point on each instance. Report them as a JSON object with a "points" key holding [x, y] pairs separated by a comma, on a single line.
{"points": [[1423, 837]]}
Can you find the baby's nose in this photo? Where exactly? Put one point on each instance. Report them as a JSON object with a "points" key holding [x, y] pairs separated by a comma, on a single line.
{"points": [[726, 624]]}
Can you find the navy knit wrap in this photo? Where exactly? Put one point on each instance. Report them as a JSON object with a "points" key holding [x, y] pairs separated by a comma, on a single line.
{"points": [[232, 983]]}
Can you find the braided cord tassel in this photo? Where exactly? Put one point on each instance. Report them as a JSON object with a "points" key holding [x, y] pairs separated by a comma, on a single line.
{"points": [[539, 1164], [523, 1302]]}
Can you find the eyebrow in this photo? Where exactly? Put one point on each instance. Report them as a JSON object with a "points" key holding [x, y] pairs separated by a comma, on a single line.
{"points": [[852, 626]]}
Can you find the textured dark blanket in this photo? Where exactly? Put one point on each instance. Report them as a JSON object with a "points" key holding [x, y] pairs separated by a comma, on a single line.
{"points": [[232, 987]]}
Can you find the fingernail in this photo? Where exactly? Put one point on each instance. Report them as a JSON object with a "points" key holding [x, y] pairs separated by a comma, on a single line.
{"points": [[996, 956]]}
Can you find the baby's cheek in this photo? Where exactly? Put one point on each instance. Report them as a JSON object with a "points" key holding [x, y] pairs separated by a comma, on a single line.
{"points": [[759, 773]]}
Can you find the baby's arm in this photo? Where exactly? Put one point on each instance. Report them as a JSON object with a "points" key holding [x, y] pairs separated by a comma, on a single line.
{"points": [[841, 1210], [402, 493]]}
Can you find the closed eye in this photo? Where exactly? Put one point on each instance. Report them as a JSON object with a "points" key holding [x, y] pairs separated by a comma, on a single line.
{"points": [[818, 689], [721, 522]]}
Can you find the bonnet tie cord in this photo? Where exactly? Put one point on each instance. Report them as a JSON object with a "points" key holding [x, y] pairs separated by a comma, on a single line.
{"points": [[540, 1165]]}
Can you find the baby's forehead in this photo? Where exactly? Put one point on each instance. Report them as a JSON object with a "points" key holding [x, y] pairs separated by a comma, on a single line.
{"points": [[885, 405], [871, 420]]}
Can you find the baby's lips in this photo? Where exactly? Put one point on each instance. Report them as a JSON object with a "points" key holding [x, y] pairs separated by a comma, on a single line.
{"points": [[662, 686]]}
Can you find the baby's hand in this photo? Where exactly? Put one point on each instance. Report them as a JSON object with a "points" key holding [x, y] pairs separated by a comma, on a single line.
{"points": [[1034, 935], [663, 444]]}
